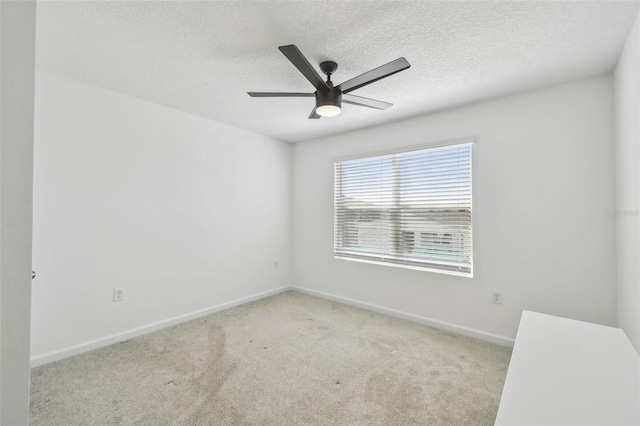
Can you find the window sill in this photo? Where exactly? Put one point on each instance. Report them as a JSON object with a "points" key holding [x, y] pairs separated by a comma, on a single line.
{"points": [[415, 268]]}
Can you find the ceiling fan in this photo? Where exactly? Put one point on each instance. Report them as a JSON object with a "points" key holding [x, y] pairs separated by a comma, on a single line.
{"points": [[329, 98]]}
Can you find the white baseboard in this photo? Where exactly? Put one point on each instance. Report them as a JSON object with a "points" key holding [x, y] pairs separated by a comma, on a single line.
{"points": [[139, 331], [126, 335], [478, 334]]}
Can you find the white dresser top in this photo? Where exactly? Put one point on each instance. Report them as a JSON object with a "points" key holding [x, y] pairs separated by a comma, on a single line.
{"points": [[568, 372]]}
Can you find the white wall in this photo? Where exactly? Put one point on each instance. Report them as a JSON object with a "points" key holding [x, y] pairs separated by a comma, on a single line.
{"points": [[627, 149], [543, 177], [17, 54], [181, 212]]}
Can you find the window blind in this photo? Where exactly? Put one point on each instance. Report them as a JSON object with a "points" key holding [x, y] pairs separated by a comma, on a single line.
{"points": [[410, 208]]}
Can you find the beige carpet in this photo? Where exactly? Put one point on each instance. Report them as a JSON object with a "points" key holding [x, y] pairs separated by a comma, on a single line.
{"points": [[289, 359]]}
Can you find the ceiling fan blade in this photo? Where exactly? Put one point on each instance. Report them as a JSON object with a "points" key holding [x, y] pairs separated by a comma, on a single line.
{"points": [[376, 74], [299, 61], [365, 102], [314, 114], [280, 95]]}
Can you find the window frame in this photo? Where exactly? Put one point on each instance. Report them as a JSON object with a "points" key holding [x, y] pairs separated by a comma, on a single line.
{"points": [[379, 259]]}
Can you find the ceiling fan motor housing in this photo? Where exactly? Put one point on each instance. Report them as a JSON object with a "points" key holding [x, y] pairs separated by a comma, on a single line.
{"points": [[332, 96]]}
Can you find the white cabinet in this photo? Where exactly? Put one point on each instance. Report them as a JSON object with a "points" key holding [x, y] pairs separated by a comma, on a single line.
{"points": [[568, 372]]}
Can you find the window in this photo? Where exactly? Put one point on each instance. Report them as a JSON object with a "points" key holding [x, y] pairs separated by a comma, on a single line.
{"points": [[409, 208]]}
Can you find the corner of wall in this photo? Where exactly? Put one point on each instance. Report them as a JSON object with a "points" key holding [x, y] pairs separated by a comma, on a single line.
{"points": [[627, 163]]}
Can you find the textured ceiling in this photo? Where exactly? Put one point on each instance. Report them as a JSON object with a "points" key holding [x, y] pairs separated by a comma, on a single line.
{"points": [[202, 57]]}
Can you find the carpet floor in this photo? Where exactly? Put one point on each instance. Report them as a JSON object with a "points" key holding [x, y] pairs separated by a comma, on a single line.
{"points": [[289, 359]]}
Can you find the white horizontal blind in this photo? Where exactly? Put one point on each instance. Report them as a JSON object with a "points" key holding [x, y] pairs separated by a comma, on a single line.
{"points": [[410, 208]]}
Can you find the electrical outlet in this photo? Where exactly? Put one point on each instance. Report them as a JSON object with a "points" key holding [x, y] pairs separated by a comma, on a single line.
{"points": [[118, 294], [275, 264], [496, 297]]}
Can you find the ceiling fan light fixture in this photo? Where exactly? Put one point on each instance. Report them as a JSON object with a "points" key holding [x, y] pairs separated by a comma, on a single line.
{"points": [[328, 102], [329, 97], [328, 110]]}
